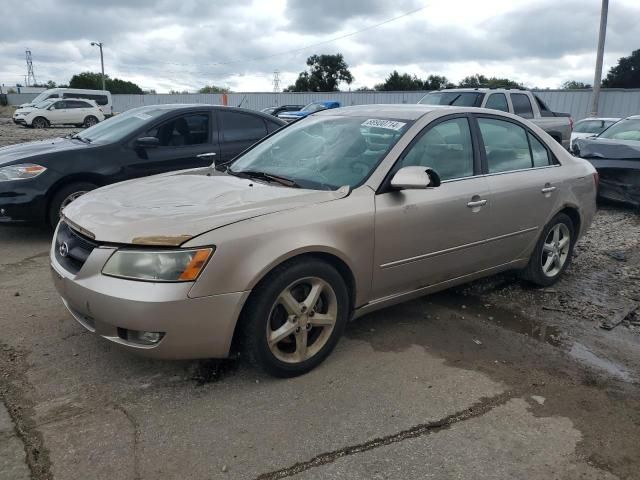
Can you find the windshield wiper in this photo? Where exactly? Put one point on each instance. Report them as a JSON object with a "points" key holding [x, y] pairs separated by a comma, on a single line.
{"points": [[287, 182], [82, 139]]}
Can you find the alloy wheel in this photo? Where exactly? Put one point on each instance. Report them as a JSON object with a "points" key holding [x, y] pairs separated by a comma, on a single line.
{"points": [[301, 320], [555, 250]]}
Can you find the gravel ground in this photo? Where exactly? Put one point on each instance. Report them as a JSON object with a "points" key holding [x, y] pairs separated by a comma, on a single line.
{"points": [[495, 379], [11, 133]]}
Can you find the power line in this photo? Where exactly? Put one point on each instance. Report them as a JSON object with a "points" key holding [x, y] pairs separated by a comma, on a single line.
{"points": [[300, 49]]}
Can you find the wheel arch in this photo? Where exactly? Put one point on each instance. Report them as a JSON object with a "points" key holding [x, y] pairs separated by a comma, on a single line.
{"points": [[573, 213], [331, 258], [68, 180]]}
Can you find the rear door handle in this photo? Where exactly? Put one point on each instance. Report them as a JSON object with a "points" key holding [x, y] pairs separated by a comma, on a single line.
{"points": [[476, 203], [207, 155], [548, 189]]}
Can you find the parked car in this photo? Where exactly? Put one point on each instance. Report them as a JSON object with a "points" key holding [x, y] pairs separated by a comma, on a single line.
{"points": [[59, 112], [521, 102], [615, 153], [282, 108], [308, 110], [38, 179], [101, 97], [590, 127], [335, 216]]}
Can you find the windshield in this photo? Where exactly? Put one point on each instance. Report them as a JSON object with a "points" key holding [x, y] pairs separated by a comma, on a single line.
{"points": [[628, 129], [592, 126], [459, 99], [314, 107], [118, 127], [44, 104], [324, 153]]}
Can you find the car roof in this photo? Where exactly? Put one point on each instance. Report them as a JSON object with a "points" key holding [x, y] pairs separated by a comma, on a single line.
{"points": [[613, 119], [395, 111], [479, 89], [192, 106], [633, 117]]}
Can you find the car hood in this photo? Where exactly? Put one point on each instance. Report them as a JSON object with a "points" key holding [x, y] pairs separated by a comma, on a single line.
{"points": [[23, 151], [171, 209], [25, 109], [594, 148], [293, 114]]}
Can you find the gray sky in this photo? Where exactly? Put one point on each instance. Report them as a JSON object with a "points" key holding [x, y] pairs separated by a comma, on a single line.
{"points": [[165, 45]]}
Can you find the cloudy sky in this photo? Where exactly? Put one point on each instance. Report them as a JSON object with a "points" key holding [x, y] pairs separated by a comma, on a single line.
{"points": [[183, 45]]}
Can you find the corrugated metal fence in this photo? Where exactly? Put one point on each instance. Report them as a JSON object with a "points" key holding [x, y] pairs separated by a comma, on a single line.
{"points": [[613, 102]]}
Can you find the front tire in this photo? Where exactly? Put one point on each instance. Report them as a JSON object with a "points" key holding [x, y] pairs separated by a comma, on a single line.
{"points": [[64, 197], [553, 252], [295, 317], [40, 122]]}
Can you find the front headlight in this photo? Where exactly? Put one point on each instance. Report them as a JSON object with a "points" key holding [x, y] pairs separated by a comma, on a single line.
{"points": [[22, 171], [158, 266]]}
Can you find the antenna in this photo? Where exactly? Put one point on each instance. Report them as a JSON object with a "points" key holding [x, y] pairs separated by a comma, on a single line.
{"points": [[31, 77], [276, 81]]}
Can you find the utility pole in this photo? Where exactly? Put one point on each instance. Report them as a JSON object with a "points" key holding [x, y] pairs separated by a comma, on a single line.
{"points": [[30, 78], [597, 79], [99, 44]]}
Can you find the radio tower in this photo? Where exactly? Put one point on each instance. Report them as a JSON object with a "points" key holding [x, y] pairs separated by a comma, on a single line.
{"points": [[276, 81], [31, 77]]}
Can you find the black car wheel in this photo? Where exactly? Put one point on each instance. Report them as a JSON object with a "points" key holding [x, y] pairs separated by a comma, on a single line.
{"points": [[90, 121], [64, 197], [40, 122], [295, 317]]}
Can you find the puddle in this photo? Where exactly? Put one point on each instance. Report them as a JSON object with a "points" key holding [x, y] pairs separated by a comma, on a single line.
{"points": [[502, 317], [586, 356]]}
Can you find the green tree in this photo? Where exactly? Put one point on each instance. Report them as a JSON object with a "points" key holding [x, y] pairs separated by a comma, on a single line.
{"points": [[626, 74], [437, 82], [93, 81], [399, 82], [213, 89], [324, 74], [575, 85], [478, 81]]}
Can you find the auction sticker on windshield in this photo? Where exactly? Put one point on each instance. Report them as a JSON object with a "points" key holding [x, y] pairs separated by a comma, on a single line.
{"points": [[390, 124]]}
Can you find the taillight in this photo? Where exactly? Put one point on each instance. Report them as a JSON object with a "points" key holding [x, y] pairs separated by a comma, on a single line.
{"points": [[571, 123]]}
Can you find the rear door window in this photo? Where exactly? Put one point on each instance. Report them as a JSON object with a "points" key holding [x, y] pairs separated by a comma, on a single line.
{"points": [[505, 144], [521, 105], [238, 126], [497, 101]]}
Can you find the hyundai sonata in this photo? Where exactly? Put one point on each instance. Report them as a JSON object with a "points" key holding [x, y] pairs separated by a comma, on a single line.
{"points": [[342, 213]]}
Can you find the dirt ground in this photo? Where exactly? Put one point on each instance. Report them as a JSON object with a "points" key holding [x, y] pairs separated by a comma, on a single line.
{"points": [[495, 379]]}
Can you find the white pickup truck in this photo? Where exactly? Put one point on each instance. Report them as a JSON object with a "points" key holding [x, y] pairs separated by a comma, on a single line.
{"points": [[520, 102]]}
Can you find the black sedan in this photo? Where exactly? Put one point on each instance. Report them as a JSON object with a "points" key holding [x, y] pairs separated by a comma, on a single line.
{"points": [[38, 179]]}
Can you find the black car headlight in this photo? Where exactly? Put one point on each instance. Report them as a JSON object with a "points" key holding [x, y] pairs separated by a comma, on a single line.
{"points": [[22, 171]]}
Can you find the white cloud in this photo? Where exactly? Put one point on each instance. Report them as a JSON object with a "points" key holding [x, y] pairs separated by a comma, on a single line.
{"points": [[163, 45]]}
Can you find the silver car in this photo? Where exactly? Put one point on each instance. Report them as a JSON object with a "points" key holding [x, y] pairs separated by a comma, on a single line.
{"points": [[335, 216]]}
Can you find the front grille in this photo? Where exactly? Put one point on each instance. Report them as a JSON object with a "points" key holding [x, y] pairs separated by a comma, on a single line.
{"points": [[72, 248]]}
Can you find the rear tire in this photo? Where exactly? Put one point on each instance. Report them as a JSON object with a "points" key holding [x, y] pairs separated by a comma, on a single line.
{"points": [[553, 252], [90, 121], [40, 122], [295, 317], [64, 197]]}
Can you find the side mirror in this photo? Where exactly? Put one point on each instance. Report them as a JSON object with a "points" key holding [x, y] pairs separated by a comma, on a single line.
{"points": [[415, 178], [51, 108], [147, 142]]}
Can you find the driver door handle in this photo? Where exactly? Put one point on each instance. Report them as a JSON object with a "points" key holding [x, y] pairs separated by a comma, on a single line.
{"points": [[476, 203], [207, 155], [548, 189]]}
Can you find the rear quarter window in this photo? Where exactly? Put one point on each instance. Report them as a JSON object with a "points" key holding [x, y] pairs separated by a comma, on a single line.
{"points": [[521, 105]]}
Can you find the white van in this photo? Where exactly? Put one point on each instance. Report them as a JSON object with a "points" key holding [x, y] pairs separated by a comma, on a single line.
{"points": [[101, 97]]}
